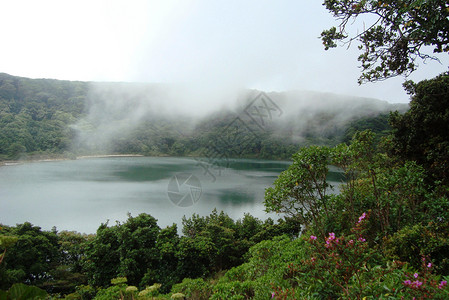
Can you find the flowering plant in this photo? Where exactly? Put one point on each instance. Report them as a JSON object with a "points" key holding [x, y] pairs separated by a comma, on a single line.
{"points": [[346, 267]]}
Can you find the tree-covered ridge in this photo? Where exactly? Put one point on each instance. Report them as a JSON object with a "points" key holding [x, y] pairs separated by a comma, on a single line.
{"points": [[66, 118], [35, 114]]}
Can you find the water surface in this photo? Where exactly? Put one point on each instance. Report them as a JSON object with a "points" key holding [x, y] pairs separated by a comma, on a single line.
{"points": [[81, 194]]}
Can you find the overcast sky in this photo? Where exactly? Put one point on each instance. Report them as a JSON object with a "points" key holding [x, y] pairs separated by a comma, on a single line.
{"points": [[268, 45]]}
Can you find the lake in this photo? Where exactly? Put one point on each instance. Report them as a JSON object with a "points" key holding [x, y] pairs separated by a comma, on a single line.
{"points": [[81, 194]]}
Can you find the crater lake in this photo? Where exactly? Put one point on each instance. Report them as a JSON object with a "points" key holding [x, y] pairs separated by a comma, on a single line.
{"points": [[81, 194]]}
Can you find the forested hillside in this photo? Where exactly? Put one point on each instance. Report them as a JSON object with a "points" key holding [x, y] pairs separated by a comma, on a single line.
{"points": [[48, 118], [35, 114]]}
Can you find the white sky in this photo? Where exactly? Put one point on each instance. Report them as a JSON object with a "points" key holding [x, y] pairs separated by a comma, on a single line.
{"points": [[268, 45]]}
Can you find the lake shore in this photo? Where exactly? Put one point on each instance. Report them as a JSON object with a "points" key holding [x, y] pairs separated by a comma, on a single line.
{"points": [[109, 155], [43, 158], [52, 159]]}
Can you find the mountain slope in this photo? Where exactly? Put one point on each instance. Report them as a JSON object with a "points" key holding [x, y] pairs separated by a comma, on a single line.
{"points": [[55, 117]]}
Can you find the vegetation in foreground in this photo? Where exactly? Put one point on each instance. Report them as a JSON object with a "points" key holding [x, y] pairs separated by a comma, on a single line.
{"points": [[384, 236]]}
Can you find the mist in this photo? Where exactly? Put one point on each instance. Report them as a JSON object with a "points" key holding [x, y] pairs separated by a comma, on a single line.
{"points": [[119, 112], [115, 110]]}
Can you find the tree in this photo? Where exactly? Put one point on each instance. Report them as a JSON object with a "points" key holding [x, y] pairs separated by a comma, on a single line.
{"points": [[395, 34], [166, 271], [422, 133], [6, 242], [31, 258], [127, 249], [138, 252], [301, 190], [102, 259]]}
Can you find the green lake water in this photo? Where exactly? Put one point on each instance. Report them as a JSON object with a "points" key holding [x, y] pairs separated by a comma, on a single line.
{"points": [[81, 194]]}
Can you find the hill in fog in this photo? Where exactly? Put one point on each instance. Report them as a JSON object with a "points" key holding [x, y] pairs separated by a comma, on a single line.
{"points": [[44, 116]]}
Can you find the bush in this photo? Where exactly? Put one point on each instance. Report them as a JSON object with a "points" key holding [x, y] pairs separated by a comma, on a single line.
{"points": [[234, 290], [412, 242], [193, 288]]}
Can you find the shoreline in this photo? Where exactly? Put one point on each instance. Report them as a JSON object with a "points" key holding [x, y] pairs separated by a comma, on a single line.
{"points": [[6, 163], [109, 155]]}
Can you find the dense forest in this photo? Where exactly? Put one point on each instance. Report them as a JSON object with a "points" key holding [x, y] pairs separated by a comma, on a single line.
{"points": [[54, 118]]}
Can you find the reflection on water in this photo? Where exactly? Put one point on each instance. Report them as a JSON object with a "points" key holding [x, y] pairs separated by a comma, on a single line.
{"points": [[81, 194]]}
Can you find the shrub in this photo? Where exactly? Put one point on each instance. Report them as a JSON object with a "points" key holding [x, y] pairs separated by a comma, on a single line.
{"points": [[193, 288]]}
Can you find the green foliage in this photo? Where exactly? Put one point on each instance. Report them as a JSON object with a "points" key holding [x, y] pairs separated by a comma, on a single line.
{"points": [[405, 224], [177, 296], [396, 194], [332, 268], [267, 262], [112, 292], [165, 270], [233, 290], [35, 115], [22, 291], [68, 273], [377, 124], [302, 190], [335, 267], [5, 242], [150, 291], [347, 268], [193, 288], [394, 36], [422, 133], [102, 256], [83, 292], [146, 254], [415, 241], [31, 258], [126, 249]]}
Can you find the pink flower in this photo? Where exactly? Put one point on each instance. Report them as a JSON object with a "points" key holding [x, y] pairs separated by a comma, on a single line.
{"points": [[351, 242], [415, 275], [361, 218], [312, 237], [273, 294], [362, 239], [329, 239], [416, 284], [429, 265], [442, 284]]}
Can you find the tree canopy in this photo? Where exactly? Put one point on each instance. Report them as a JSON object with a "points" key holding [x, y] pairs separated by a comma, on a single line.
{"points": [[393, 35], [422, 133]]}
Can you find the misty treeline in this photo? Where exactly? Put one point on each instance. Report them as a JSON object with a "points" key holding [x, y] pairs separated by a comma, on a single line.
{"points": [[54, 118]]}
